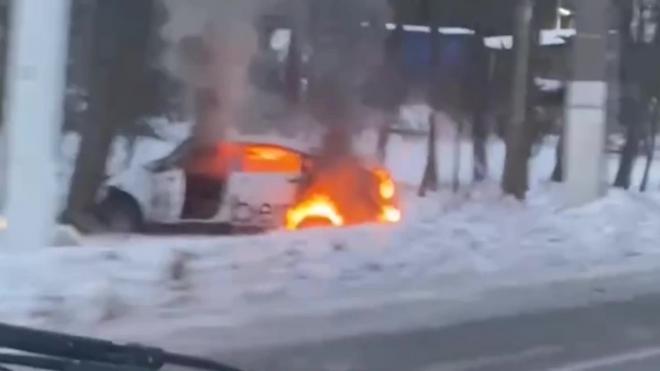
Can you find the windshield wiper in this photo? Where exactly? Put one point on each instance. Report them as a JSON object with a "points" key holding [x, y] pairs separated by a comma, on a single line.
{"points": [[58, 364], [69, 351]]}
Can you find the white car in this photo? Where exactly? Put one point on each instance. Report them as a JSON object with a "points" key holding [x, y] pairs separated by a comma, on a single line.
{"points": [[231, 184]]}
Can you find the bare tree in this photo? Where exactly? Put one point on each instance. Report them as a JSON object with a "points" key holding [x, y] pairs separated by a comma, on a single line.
{"points": [[522, 130], [386, 90], [558, 171], [430, 181], [515, 168], [476, 96], [639, 59], [430, 177], [650, 146], [632, 113], [117, 85], [4, 41]]}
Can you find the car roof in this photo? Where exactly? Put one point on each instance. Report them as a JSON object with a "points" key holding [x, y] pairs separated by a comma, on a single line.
{"points": [[264, 144], [305, 146]]}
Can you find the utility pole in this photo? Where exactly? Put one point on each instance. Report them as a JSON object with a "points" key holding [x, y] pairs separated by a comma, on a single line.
{"points": [[586, 106], [34, 113]]}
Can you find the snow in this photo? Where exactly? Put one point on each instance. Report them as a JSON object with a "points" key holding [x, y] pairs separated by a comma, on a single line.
{"points": [[462, 253], [427, 29], [449, 247], [456, 256], [410, 172], [548, 37], [616, 361], [548, 85]]}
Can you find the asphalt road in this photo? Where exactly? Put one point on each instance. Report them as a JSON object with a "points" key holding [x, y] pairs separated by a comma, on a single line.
{"points": [[618, 336]]}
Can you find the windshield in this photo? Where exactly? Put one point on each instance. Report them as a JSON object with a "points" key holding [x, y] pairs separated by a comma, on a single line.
{"points": [[344, 185]]}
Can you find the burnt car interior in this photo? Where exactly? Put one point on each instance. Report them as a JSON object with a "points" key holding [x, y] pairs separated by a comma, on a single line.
{"points": [[206, 176]]}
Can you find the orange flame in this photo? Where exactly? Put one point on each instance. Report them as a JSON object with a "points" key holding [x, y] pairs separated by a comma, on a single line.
{"points": [[347, 194], [386, 186], [316, 207], [390, 214]]}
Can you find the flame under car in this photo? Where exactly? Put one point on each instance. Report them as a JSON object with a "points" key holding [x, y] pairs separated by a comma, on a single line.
{"points": [[345, 192]]}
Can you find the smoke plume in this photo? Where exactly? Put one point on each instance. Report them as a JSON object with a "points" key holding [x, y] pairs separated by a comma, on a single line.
{"points": [[213, 42]]}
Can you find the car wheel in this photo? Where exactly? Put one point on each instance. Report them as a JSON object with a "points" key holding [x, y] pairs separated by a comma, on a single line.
{"points": [[121, 214], [314, 223]]}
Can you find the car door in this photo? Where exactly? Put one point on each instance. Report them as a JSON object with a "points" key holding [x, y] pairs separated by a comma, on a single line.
{"points": [[168, 190], [261, 192]]}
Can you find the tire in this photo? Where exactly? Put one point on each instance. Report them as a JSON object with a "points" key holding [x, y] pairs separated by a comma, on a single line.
{"points": [[120, 213], [314, 223]]}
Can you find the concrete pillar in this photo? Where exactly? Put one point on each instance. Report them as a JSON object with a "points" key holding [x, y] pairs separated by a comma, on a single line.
{"points": [[586, 106], [34, 113]]}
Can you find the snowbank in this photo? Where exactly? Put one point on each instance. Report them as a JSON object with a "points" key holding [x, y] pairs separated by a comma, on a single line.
{"points": [[450, 247], [454, 257]]}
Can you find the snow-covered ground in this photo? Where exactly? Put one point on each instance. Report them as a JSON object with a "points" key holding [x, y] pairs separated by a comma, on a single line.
{"points": [[447, 249], [452, 250]]}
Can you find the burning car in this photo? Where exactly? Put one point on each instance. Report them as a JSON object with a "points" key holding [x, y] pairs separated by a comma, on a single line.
{"points": [[246, 185]]}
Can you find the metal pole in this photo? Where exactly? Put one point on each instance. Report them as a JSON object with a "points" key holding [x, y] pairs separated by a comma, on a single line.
{"points": [[586, 106], [35, 106]]}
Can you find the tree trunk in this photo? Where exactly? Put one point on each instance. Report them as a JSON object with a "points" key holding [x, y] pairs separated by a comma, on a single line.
{"points": [[4, 44], [293, 73], [628, 156], [650, 147], [456, 183], [383, 138], [630, 150], [514, 180], [478, 96], [90, 169], [430, 178], [480, 139], [558, 172], [95, 140], [117, 92]]}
